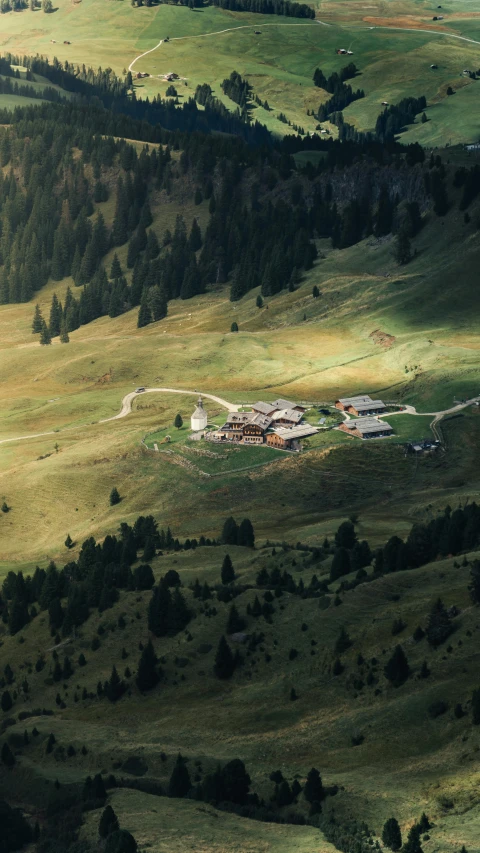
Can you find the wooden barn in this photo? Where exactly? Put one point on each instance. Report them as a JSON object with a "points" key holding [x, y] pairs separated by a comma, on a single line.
{"points": [[361, 405], [287, 439], [366, 428]]}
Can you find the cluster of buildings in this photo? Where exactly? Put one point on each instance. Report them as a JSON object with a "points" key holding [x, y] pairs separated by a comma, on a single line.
{"points": [[281, 423], [278, 424], [364, 424]]}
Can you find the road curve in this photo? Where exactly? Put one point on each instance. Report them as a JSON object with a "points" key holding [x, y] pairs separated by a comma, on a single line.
{"points": [[219, 33], [129, 398]]}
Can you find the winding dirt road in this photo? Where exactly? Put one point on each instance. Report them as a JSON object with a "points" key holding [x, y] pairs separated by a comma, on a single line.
{"points": [[129, 398], [127, 403], [317, 21]]}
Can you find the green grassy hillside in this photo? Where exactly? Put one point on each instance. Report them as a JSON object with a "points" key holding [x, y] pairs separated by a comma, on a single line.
{"points": [[393, 48], [416, 762], [406, 334]]}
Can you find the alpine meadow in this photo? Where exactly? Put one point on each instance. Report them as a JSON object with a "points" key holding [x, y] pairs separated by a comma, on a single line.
{"points": [[239, 426]]}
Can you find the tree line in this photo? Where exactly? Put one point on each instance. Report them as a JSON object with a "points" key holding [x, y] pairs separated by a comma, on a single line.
{"points": [[268, 7]]}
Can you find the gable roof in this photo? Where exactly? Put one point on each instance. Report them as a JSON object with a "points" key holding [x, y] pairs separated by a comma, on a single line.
{"points": [[365, 425], [295, 432], [284, 404], [263, 408], [288, 415]]}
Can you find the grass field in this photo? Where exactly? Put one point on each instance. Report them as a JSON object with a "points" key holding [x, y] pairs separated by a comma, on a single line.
{"points": [[394, 333], [207, 44], [414, 762]]}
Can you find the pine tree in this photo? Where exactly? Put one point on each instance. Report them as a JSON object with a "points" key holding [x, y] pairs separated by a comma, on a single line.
{"points": [[178, 422], [402, 248], [340, 564], [313, 790], [397, 669], [108, 822], [114, 496], [391, 835], [115, 269], [45, 334], [180, 783], [235, 622], [6, 701], [144, 316], [120, 841], [7, 756], [439, 624], [224, 660], [228, 572], [55, 317], [234, 327], [229, 534], [37, 321], [195, 238], [114, 688], [246, 535], [64, 338], [147, 675]]}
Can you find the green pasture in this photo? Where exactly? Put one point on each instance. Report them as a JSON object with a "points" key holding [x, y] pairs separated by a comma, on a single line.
{"points": [[409, 427], [205, 45], [413, 760]]}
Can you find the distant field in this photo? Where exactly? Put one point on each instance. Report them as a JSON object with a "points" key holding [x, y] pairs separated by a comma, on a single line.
{"points": [[207, 44]]}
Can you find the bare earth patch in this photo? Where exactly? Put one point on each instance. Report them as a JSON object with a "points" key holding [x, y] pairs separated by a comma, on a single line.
{"points": [[382, 338]]}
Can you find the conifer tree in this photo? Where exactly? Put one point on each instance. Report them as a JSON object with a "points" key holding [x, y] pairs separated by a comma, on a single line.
{"points": [[246, 535], [37, 321], [234, 622], [313, 790], [228, 572], [180, 783], [108, 822], [147, 675], [45, 334], [7, 756], [195, 238], [178, 422], [55, 317], [224, 660], [402, 248], [439, 624], [340, 564], [391, 835], [114, 496], [115, 269], [144, 316], [64, 337], [229, 534], [114, 687], [6, 701], [397, 669]]}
